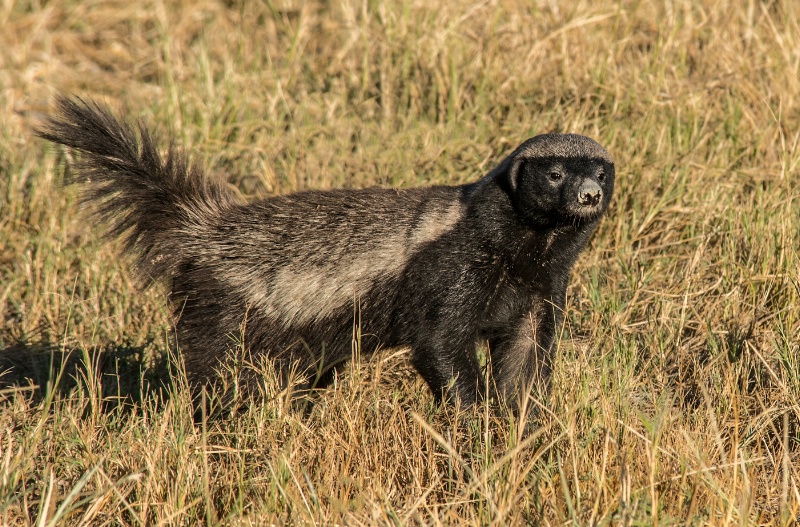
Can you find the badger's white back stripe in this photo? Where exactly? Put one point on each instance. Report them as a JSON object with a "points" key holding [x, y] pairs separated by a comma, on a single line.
{"points": [[304, 294], [435, 223]]}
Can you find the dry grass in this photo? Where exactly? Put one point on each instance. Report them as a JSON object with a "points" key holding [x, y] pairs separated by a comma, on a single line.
{"points": [[677, 389]]}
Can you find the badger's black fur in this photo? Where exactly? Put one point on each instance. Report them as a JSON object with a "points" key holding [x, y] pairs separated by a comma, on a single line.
{"points": [[292, 277]]}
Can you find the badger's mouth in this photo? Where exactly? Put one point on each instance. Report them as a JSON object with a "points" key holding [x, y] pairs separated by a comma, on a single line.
{"points": [[577, 213]]}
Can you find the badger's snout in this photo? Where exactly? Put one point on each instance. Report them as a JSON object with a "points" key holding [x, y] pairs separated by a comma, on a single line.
{"points": [[590, 193]]}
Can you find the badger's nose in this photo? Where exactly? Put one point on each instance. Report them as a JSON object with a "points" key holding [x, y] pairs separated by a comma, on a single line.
{"points": [[590, 193]]}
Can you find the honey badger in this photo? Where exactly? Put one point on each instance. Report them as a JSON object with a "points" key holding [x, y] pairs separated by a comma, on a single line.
{"points": [[438, 270]]}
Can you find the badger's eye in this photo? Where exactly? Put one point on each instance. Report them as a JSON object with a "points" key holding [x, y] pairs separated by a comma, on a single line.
{"points": [[601, 176], [554, 176]]}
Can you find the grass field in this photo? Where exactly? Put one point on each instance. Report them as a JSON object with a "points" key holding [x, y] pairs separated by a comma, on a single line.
{"points": [[676, 393]]}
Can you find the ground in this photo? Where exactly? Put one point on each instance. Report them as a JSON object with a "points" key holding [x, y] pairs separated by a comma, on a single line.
{"points": [[676, 394]]}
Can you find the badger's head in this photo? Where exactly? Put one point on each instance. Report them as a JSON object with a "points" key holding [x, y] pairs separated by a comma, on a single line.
{"points": [[559, 179]]}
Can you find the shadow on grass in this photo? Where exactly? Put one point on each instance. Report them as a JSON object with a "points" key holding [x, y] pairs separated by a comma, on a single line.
{"points": [[123, 376]]}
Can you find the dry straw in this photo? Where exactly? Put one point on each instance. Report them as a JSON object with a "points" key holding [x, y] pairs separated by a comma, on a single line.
{"points": [[676, 395]]}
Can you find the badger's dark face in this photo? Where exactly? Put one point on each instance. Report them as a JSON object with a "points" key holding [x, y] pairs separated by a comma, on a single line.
{"points": [[550, 190]]}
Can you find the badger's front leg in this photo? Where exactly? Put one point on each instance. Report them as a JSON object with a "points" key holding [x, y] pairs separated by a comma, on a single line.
{"points": [[448, 362], [522, 351]]}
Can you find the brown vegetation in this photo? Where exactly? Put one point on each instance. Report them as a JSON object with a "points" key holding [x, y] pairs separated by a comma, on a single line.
{"points": [[676, 394]]}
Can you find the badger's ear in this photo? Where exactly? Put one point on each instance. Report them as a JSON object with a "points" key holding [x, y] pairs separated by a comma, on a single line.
{"points": [[514, 174]]}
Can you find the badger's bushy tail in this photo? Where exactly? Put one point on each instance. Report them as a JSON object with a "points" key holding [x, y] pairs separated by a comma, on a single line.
{"points": [[153, 203]]}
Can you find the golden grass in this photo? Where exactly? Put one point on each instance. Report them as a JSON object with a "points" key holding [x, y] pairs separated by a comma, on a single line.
{"points": [[676, 394]]}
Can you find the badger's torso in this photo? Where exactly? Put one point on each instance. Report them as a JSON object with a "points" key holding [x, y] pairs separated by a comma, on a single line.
{"points": [[311, 264]]}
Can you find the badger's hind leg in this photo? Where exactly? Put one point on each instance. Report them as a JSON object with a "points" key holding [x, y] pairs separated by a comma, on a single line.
{"points": [[243, 373], [291, 364], [234, 352]]}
